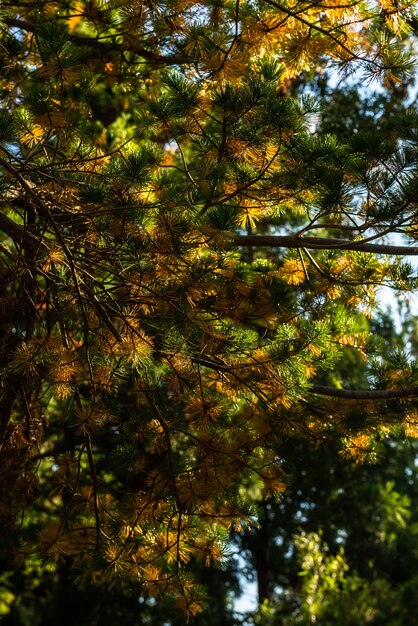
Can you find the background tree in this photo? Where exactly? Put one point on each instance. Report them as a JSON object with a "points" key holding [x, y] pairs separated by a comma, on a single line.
{"points": [[184, 262]]}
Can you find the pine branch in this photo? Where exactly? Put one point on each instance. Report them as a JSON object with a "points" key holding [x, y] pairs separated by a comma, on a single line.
{"points": [[333, 392], [321, 243], [106, 47], [297, 15], [367, 394]]}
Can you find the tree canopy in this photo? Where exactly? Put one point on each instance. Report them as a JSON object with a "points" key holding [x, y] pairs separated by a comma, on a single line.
{"points": [[190, 252]]}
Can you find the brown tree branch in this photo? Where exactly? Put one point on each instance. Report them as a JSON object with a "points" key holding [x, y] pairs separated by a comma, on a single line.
{"points": [[321, 243], [19, 234], [367, 394]]}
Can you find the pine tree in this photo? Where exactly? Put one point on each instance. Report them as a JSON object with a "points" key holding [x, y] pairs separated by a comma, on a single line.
{"points": [[183, 259]]}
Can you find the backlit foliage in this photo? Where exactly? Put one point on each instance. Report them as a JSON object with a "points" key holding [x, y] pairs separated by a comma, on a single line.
{"points": [[153, 354]]}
